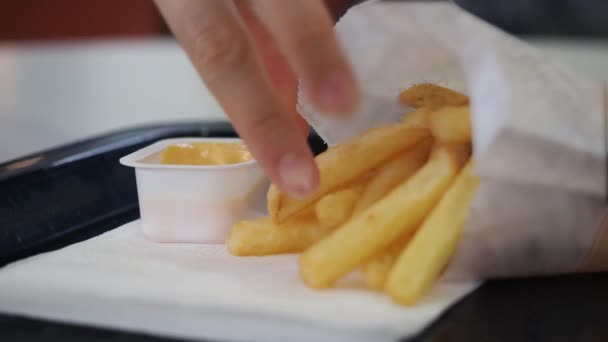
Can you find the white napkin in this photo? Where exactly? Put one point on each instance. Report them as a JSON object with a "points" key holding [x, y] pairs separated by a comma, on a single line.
{"points": [[122, 280]]}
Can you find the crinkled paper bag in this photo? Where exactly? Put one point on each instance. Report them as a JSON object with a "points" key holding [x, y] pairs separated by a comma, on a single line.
{"points": [[539, 133]]}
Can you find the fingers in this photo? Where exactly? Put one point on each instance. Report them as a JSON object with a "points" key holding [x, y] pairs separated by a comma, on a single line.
{"points": [[282, 78], [304, 30], [223, 54], [337, 8]]}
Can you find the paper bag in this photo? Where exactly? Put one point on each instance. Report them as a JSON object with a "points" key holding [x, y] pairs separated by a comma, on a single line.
{"points": [[539, 133]]}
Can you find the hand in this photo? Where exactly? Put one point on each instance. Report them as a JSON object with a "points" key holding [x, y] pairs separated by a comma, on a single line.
{"points": [[250, 54]]}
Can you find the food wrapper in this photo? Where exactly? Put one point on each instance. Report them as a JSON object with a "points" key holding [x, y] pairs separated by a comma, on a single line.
{"points": [[539, 133]]}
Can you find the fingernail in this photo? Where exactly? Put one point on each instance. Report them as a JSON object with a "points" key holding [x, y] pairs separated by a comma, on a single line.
{"points": [[337, 94], [297, 175]]}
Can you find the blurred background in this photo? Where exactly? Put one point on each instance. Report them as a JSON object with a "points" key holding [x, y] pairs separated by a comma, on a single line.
{"points": [[71, 69], [35, 20]]}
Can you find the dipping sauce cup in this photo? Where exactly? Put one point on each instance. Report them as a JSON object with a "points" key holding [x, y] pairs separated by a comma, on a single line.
{"points": [[195, 203]]}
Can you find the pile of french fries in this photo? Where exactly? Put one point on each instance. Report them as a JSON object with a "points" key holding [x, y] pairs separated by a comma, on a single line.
{"points": [[392, 202]]}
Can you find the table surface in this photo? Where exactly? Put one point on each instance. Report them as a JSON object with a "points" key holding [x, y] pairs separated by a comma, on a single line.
{"points": [[53, 94]]}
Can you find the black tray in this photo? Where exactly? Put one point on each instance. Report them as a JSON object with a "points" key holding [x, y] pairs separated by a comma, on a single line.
{"points": [[62, 196]]}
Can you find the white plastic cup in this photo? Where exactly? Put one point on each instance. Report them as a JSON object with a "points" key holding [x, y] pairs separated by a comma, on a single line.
{"points": [[194, 203]]}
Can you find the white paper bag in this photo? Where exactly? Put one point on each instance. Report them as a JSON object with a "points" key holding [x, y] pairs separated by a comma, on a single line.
{"points": [[539, 132]]}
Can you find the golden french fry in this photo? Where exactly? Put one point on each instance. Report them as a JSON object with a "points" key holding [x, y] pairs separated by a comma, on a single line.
{"points": [[431, 96], [393, 173], [345, 163], [263, 237], [430, 249], [418, 118], [460, 152], [451, 124], [336, 208], [376, 271], [367, 234]]}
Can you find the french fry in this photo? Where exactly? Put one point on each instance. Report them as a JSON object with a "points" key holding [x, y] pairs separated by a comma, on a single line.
{"points": [[376, 271], [430, 249], [336, 208], [393, 173], [431, 96], [367, 234], [418, 118], [451, 124], [460, 152], [345, 163], [393, 201], [263, 237]]}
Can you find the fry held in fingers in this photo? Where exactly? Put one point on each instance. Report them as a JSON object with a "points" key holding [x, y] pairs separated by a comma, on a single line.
{"points": [[367, 234], [430, 249], [347, 162]]}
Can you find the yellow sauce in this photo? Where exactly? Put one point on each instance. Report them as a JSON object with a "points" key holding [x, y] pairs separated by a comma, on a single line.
{"points": [[206, 153]]}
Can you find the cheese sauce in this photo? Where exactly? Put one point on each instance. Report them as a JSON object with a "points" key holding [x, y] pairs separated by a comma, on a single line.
{"points": [[206, 153]]}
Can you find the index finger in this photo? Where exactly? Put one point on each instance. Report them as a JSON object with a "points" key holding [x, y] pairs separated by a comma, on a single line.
{"points": [[304, 30], [223, 55]]}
